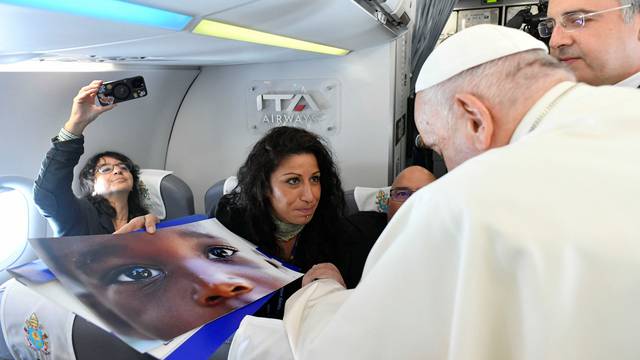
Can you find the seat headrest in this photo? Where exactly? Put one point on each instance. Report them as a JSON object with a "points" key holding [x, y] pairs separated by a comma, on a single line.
{"points": [[372, 199], [215, 193], [165, 194]]}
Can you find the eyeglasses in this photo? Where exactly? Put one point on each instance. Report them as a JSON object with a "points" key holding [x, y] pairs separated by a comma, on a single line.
{"points": [[400, 194], [570, 22], [108, 168]]}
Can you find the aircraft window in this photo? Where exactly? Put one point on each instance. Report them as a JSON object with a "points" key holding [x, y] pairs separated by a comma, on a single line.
{"points": [[14, 226]]}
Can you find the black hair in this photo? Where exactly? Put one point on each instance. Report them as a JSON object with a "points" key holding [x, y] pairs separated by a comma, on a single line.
{"points": [[254, 185], [87, 179]]}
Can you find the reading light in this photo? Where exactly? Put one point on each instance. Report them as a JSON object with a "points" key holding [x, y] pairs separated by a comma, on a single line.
{"points": [[114, 10], [232, 32]]}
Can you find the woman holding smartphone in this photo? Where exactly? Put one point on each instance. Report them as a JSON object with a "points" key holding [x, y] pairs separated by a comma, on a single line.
{"points": [[111, 200]]}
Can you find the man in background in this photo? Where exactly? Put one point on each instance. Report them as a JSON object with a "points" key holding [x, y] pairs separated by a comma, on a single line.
{"points": [[405, 184], [598, 39]]}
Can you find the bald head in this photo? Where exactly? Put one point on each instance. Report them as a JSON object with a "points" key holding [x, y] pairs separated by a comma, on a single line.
{"points": [[410, 179]]}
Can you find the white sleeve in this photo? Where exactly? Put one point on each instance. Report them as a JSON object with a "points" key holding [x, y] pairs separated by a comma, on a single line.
{"points": [[260, 339]]}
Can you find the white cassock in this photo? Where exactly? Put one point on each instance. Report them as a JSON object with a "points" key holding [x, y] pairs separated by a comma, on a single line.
{"points": [[632, 81], [529, 251]]}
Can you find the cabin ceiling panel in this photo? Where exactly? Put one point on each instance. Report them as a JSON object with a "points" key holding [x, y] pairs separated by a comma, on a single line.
{"points": [[340, 23], [198, 7]]}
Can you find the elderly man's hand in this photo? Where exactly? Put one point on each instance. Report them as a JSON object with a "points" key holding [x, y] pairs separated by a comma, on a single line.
{"points": [[148, 222], [323, 271]]}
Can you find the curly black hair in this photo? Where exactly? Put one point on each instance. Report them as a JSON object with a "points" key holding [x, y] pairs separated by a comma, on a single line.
{"points": [[251, 196], [87, 179]]}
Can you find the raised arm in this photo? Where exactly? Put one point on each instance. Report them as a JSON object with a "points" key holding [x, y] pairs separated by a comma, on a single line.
{"points": [[52, 190]]}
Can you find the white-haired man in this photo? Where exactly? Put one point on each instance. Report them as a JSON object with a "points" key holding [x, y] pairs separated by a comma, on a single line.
{"points": [[598, 39], [526, 249]]}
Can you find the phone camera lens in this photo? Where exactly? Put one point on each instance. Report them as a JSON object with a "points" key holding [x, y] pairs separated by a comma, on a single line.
{"points": [[121, 91]]}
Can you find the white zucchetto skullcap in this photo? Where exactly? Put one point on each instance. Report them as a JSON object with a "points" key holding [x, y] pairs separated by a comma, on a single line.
{"points": [[472, 47]]}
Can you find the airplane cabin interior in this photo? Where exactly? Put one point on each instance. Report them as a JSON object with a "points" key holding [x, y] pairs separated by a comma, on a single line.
{"points": [[218, 75]]}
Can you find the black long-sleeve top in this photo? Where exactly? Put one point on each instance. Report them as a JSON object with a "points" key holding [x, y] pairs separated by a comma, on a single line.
{"points": [[68, 215]]}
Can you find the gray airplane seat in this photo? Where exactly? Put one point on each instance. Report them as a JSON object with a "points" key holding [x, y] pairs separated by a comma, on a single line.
{"points": [[350, 205], [166, 195], [215, 193]]}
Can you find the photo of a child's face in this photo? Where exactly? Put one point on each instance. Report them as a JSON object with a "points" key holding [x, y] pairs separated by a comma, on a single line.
{"points": [[158, 286]]}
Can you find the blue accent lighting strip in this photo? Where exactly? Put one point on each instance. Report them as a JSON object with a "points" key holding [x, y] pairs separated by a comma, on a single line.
{"points": [[114, 10]]}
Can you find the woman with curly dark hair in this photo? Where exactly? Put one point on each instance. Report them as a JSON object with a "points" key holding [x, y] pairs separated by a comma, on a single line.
{"points": [[289, 199], [110, 181]]}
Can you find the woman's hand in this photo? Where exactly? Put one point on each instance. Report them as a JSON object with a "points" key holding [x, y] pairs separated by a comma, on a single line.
{"points": [[84, 109], [147, 222], [323, 271]]}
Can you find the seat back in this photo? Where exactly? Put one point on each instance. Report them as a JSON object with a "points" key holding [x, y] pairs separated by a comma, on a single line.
{"points": [[350, 205], [167, 196], [215, 193]]}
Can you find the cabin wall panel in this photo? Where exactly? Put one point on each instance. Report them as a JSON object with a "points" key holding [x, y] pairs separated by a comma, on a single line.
{"points": [[34, 105], [210, 139]]}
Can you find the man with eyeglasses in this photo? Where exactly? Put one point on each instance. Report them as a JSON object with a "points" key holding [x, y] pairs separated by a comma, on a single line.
{"points": [[405, 184], [598, 39]]}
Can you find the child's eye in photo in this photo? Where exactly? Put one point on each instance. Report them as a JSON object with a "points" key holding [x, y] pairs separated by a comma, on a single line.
{"points": [[136, 273], [220, 252]]}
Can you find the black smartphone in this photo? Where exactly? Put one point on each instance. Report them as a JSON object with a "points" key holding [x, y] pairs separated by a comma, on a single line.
{"points": [[122, 90]]}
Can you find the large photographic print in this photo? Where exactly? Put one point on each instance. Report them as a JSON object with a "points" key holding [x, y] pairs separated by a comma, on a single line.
{"points": [[158, 286]]}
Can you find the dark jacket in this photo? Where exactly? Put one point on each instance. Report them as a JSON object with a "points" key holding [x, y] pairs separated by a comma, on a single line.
{"points": [[360, 232], [52, 193], [311, 247], [346, 245]]}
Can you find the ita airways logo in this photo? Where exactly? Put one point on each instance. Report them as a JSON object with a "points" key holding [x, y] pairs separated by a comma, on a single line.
{"points": [[311, 104], [35, 335], [300, 110], [297, 103]]}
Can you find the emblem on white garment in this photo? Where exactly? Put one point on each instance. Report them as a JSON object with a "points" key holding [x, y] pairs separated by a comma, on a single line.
{"points": [[382, 201], [35, 335]]}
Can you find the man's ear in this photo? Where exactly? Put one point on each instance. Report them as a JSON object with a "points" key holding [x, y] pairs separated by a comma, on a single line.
{"points": [[478, 121]]}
